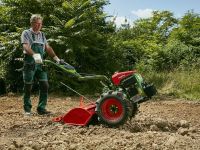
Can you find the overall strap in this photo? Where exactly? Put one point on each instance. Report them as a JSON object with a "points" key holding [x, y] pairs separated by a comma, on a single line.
{"points": [[33, 37], [42, 36]]}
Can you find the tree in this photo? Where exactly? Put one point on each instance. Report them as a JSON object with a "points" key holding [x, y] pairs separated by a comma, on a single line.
{"points": [[143, 41], [76, 29]]}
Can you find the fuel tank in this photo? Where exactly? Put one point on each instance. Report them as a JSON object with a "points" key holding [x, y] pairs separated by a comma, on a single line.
{"points": [[117, 77]]}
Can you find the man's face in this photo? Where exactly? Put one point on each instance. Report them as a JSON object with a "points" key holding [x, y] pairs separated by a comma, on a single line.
{"points": [[37, 25]]}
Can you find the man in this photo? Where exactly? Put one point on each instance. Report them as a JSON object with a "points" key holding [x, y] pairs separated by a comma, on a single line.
{"points": [[34, 47]]}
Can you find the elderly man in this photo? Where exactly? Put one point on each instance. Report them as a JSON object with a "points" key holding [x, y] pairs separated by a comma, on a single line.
{"points": [[34, 47]]}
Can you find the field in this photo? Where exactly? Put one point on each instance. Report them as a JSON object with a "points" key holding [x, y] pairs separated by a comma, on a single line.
{"points": [[162, 123]]}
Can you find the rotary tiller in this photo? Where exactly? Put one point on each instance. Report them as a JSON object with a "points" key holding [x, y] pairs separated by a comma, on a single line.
{"points": [[118, 102]]}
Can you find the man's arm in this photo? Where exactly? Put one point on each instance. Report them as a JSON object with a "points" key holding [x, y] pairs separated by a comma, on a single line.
{"points": [[28, 49], [51, 53], [25, 40]]}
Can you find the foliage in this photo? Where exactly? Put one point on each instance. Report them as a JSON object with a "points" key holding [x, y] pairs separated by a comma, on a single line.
{"points": [[79, 33], [143, 41], [161, 42], [80, 37], [177, 83], [76, 29], [163, 48]]}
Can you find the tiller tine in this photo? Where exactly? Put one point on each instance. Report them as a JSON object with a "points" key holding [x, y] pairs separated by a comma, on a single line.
{"points": [[80, 116]]}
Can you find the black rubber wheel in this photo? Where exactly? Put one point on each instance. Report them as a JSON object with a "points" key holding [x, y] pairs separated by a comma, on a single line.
{"points": [[112, 110]]}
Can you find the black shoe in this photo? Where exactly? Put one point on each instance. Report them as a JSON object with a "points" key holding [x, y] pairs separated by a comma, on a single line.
{"points": [[44, 112]]}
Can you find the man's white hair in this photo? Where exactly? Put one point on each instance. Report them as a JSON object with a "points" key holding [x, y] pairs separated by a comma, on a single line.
{"points": [[35, 17]]}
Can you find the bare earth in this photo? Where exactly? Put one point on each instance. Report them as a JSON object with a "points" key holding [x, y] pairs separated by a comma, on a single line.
{"points": [[161, 124]]}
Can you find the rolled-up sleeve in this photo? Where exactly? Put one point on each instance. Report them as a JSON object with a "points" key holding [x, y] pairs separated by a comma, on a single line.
{"points": [[25, 38]]}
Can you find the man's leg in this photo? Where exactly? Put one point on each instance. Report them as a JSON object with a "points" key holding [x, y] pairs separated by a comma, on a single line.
{"points": [[44, 86], [28, 80], [26, 98]]}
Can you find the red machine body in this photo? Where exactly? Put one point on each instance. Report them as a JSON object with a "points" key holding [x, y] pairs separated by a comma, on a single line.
{"points": [[115, 105], [80, 116], [119, 76]]}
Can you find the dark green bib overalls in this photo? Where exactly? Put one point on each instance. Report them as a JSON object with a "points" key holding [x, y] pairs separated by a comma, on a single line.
{"points": [[32, 70]]}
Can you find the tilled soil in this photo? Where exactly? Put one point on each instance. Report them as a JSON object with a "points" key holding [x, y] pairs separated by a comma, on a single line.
{"points": [[161, 124]]}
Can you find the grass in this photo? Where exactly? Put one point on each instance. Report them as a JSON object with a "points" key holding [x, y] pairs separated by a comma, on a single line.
{"points": [[181, 84]]}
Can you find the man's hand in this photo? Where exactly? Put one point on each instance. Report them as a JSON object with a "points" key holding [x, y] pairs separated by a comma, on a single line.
{"points": [[37, 58], [56, 59], [62, 62]]}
